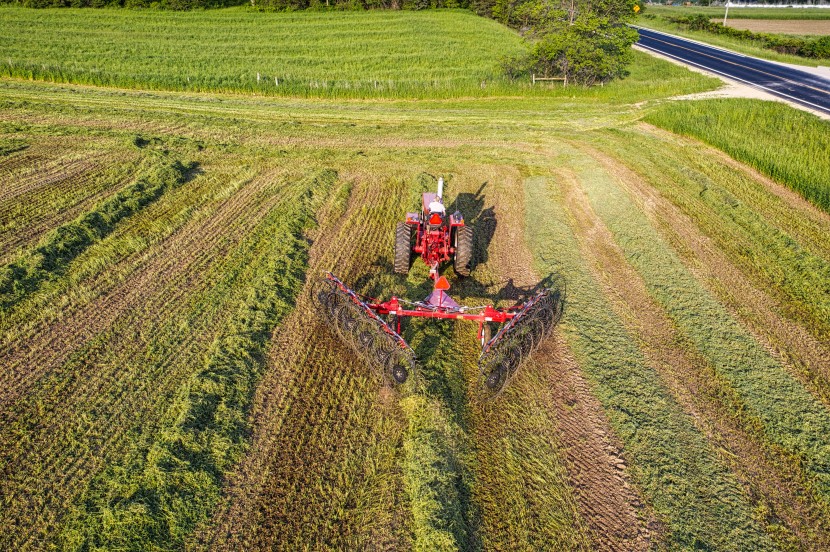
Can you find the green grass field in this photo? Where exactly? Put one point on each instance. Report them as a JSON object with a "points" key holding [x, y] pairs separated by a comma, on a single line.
{"points": [[445, 53], [168, 382]]}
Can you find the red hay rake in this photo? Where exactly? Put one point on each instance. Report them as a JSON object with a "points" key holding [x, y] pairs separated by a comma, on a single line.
{"points": [[373, 328], [360, 322]]}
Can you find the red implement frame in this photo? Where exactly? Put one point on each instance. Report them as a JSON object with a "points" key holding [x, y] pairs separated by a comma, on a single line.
{"points": [[396, 306]]}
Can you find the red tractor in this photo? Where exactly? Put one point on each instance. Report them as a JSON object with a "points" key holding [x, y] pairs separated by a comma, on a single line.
{"points": [[438, 237], [372, 327]]}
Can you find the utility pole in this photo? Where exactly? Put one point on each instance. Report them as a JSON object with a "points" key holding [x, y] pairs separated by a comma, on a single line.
{"points": [[726, 13]]}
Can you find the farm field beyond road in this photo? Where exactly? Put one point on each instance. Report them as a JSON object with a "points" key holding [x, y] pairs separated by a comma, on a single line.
{"points": [[783, 26], [168, 381]]}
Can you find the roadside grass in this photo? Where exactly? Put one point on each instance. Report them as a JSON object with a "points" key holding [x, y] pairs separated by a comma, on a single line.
{"points": [[747, 47], [785, 144], [766, 395], [668, 457]]}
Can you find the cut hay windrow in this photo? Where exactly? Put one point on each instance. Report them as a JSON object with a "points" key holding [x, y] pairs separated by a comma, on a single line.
{"points": [[668, 457], [62, 245], [790, 416], [181, 472], [788, 262], [118, 382]]}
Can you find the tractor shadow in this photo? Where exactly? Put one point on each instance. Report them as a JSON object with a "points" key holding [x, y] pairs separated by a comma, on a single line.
{"points": [[482, 220]]}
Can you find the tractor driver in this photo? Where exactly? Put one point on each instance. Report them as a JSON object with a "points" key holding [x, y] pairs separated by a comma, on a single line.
{"points": [[436, 206]]}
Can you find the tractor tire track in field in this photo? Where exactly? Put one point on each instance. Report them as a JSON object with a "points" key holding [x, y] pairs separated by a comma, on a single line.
{"points": [[76, 394], [608, 502], [610, 506], [805, 357], [310, 418], [771, 479]]}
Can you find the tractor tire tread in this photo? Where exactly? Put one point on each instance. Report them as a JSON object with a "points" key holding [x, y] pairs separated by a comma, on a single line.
{"points": [[403, 248], [463, 250]]}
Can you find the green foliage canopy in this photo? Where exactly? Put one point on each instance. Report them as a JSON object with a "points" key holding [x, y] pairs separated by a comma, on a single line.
{"points": [[586, 42]]}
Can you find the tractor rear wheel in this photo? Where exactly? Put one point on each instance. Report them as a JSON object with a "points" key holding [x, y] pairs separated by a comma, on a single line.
{"points": [[463, 250], [403, 247]]}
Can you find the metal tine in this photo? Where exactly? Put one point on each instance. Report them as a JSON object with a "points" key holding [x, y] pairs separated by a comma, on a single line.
{"points": [[365, 332], [518, 339]]}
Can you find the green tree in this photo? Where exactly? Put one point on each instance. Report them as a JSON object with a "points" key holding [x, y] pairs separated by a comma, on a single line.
{"points": [[585, 41]]}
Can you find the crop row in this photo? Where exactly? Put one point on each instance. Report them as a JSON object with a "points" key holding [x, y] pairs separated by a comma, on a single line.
{"points": [[11, 145], [159, 498], [322, 463], [786, 256], [669, 458], [789, 505], [790, 416], [30, 215], [62, 245], [114, 391]]}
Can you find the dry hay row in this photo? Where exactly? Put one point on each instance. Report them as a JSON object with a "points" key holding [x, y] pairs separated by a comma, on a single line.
{"points": [[555, 385], [804, 356], [50, 344], [769, 477], [108, 395], [76, 388], [152, 302], [292, 383], [773, 201], [112, 260], [270, 392], [33, 216], [70, 179], [56, 171], [87, 520], [10, 164]]}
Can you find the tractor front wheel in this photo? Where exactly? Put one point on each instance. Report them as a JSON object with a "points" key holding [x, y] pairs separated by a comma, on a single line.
{"points": [[403, 247], [463, 250]]}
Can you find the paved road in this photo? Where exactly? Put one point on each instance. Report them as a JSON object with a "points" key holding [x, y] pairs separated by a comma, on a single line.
{"points": [[807, 89]]}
